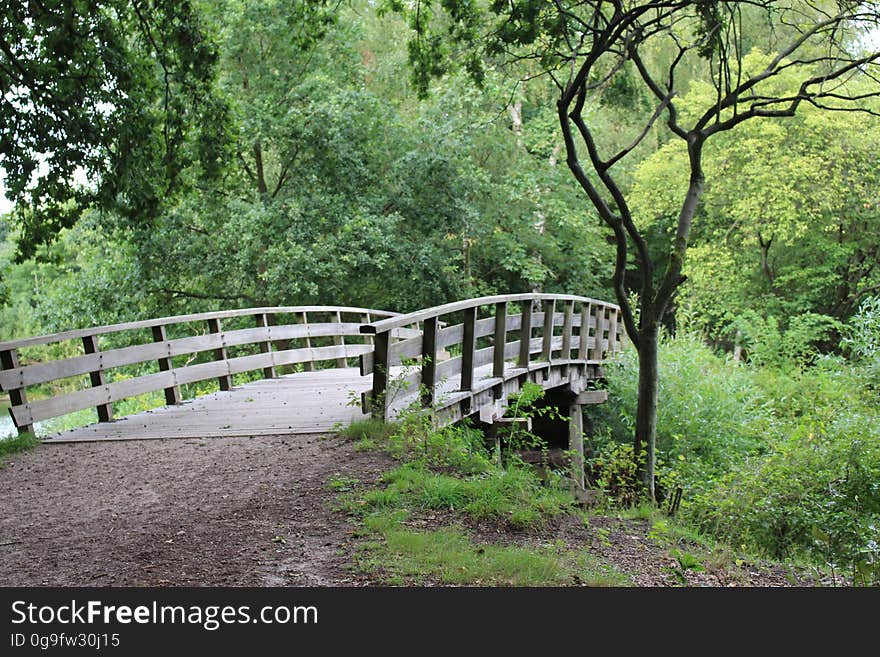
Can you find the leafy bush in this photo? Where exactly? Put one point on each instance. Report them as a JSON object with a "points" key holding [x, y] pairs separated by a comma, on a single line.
{"points": [[783, 461], [862, 339], [710, 415]]}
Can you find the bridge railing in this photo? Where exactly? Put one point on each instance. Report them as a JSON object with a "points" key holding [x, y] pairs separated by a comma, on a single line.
{"points": [[547, 330], [98, 362]]}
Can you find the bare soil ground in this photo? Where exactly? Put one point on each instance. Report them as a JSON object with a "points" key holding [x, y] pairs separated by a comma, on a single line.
{"points": [[213, 512], [247, 512]]}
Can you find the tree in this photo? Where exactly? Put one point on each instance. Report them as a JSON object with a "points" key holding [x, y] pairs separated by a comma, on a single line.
{"points": [[588, 47], [793, 232], [103, 103]]}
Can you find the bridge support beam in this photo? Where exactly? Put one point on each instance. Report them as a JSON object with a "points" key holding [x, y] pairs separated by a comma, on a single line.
{"points": [[576, 436]]}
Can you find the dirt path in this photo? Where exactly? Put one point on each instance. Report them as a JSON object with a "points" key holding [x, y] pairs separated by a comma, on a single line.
{"points": [[221, 511], [248, 512]]}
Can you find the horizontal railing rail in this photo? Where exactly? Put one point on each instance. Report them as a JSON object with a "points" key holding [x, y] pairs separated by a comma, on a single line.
{"points": [[549, 329], [283, 336]]}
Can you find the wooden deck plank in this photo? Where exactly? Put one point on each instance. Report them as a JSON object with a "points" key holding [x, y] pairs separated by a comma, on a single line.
{"points": [[307, 402]]}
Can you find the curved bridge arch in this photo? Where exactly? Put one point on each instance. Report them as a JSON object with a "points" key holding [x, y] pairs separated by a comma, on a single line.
{"points": [[470, 364], [457, 359]]}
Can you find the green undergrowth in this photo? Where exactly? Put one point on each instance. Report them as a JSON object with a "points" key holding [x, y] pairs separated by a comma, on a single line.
{"points": [[779, 461], [448, 555], [15, 444], [449, 473], [513, 494]]}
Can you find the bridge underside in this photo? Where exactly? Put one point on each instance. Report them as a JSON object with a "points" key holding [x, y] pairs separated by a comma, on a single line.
{"points": [[317, 402]]}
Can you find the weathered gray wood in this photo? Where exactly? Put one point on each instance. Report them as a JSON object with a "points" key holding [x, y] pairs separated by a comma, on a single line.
{"points": [[77, 334], [568, 309], [340, 341], [119, 390], [500, 338], [429, 360], [366, 318], [525, 334], [612, 331], [403, 320], [576, 446], [309, 367], [17, 394], [266, 335], [597, 352], [172, 393], [592, 397], [46, 372], [262, 321], [406, 349], [584, 331], [549, 317], [304, 403], [468, 343], [96, 377], [214, 326]]}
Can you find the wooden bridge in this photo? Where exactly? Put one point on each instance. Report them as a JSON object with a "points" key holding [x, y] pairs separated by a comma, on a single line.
{"points": [[286, 370]]}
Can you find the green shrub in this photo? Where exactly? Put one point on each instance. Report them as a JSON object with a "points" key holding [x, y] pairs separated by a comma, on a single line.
{"points": [[783, 461], [710, 415], [862, 339]]}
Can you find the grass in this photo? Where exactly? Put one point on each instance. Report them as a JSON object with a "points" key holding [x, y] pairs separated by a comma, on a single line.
{"points": [[369, 434], [448, 555], [14, 444], [448, 471], [514, 494]]}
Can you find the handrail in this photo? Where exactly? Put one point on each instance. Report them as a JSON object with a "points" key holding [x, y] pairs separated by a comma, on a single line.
{"points": [[273, 340], [457, 306], [598, 333], [75, 334]]}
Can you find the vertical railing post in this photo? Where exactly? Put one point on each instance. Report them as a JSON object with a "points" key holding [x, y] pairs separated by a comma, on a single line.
{"points": [[266, 345], [366, 318], [612, 332], [224, 380], [17, 396], [379, 396], [468, 345], [90, 345], [600, 330], [429, 360], [339, 341], [172, 394], [308, 366], [568, 309], [547, 345], [525, 335], [584, 334], [500, 340]]}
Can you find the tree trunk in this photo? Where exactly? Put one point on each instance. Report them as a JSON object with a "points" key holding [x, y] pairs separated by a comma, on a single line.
{"points": [[646, 409]]}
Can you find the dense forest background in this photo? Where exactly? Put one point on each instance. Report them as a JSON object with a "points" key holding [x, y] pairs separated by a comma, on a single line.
{"points": [[315, 174]]}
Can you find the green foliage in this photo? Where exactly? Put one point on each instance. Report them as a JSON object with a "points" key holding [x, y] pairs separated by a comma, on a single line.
{"points": [[120, 92], [524, 405], [782, 461], [711, 414], [862, 339], [14, 444], [449, 556], [785, 227]]}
